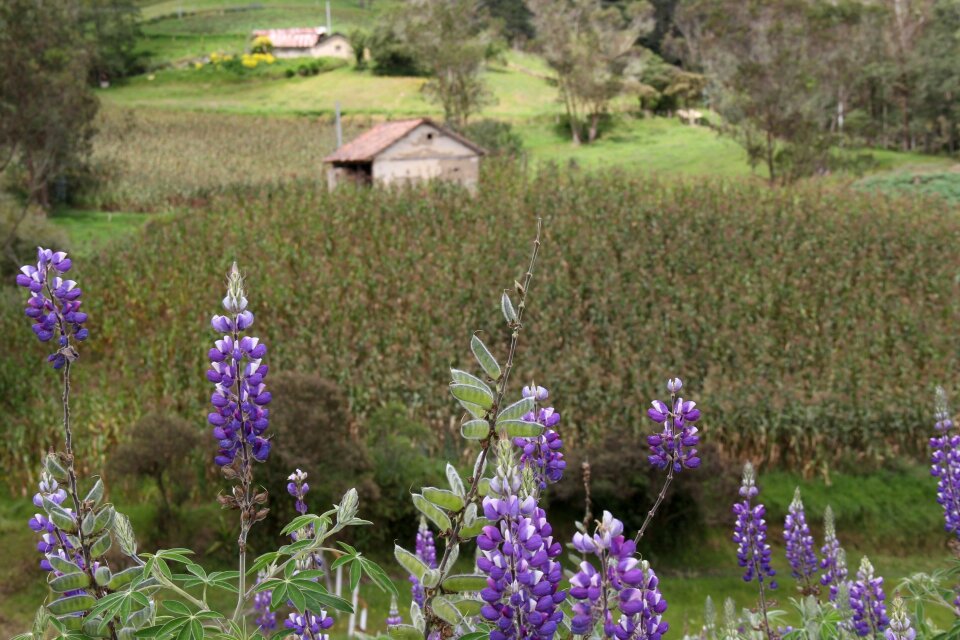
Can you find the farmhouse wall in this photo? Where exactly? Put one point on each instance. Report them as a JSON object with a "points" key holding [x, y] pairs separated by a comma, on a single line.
{"points": [[333, 47], [426, 153]]}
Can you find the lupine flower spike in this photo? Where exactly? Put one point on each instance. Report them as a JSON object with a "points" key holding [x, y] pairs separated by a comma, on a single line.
{"points": [[297, 487], [426, 550], [945, 464], [54, 304], [867, 602], [676, 445], [834, 561], [542, 455], [803, 560], [624, 595], [393, 616], [750, 534], [900, 628], [518, 554]]}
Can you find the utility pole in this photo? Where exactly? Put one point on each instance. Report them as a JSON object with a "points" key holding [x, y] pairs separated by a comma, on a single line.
{"points": [[329, 27], [339, 129]]}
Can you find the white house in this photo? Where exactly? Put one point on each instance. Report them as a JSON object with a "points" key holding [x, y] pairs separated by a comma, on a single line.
{"points": [[307, 42]]}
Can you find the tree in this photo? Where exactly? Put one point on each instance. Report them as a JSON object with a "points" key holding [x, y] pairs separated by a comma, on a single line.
{"points": [[450, 39], [763, 61], [112, 28], [46, 108], [588, 45], [514, 17]]}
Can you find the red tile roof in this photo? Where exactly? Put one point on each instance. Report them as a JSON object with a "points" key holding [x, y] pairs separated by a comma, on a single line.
{"points": [[298, 38], [370, 143]]}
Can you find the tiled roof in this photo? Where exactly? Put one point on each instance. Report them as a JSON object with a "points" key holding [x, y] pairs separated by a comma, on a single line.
{"points": [[299, 38], [370, 143]]}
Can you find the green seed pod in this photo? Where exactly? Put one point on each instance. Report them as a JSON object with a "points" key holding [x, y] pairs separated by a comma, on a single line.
{"points": [[102, 576], [70, 582], [101, 545], [71, 604], [125, 577]]}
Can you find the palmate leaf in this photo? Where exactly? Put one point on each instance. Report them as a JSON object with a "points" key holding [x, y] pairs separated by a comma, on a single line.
{"points": [[379, 576]]}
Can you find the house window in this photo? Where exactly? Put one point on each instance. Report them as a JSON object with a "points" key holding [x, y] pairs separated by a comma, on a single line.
{"points": [[429, 136]]}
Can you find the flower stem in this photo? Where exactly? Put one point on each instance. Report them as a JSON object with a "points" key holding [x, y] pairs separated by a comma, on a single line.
{"points": [[656, 505]]}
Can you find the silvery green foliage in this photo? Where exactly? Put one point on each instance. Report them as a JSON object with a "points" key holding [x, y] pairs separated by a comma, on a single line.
{"points": [[936, 590], [451, 601]]}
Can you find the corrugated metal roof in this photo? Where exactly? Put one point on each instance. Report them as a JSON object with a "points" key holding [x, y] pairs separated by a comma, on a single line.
{"points": [[297, 38], [370, 144]]}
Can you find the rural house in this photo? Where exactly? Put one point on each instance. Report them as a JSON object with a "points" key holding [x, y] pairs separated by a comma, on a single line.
{"points": [[404, 152], [307, 42]]}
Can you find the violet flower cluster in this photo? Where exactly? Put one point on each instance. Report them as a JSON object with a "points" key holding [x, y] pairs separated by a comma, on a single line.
{"points": [[542, 455], [675, 446], [52, 540], [900, 627], [623, 582], [240, 416], [393, 615], [834, 560], [800, 554], [867, 602], [518, 555], [309, 625], [750, 533], [945, 465], [426, 550], [54, 304]]}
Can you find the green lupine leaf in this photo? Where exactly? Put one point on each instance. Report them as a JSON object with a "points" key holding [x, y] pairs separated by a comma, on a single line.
{"points": [[122, 579], [379, 576], [263, 561], [196, 629], [474, 395], [476, 635], [72, 604], [319, 598], [63, 566], [297, 597], [475, 410], [414, 565], [516, 410], [101, 545], [520, 428], [486, 360], [355, 570], [474, 529], [462, 377], [475, 429], [404, 632], [456, 483], [465, 582], [432, 512], [445, 609], [105, 518], [177, 607], [509, 313], [96, 493], [70, 582], [443, 498], [279, 596]]}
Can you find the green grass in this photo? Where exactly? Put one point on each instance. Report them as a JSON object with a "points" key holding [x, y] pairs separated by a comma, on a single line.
{"points": [[89, 231], [239, 17]]}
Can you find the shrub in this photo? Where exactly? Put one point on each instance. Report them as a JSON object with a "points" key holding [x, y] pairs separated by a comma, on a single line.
{"points": [[496, 136], [26, 228]]}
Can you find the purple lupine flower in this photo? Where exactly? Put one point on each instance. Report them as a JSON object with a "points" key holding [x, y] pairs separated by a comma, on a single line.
{"points": [[542, 454], [867, 602], [623, 582], [518, 554], [426, 550], [54, 304], [298, 487], [945, 464], [309, 626], [52, 540], [393, 616], [676, 445], [750, 533], [800, 554], [900, 627], [834, 561], [239, 400], [266, 619]]}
